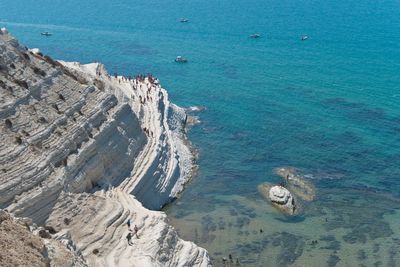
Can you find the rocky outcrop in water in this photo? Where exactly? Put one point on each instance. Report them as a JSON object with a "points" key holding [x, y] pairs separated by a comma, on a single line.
{"points": [[292, 191], [70, 130], [279, 197]]}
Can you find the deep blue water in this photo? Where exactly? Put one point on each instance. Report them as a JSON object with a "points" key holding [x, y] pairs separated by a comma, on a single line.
{"points": [[328, 106]]}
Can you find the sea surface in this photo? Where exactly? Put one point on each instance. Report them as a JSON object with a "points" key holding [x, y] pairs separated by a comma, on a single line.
{"points": [[328, 106]]}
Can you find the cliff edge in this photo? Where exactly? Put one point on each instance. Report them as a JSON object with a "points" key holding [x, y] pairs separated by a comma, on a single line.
{"points": [[85, 152]]}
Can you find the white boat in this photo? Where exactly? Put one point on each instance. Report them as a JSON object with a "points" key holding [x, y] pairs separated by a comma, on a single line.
{"points": [[304, 37], [181, 59], [255, 35], [184, 20], [46, 33]]}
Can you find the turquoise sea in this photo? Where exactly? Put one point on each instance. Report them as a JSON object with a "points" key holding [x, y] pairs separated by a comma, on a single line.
{"points": [[328, 106]]}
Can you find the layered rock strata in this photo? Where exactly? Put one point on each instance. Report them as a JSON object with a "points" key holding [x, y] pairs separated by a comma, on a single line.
{"points": [[73, 130], [104, 216]]}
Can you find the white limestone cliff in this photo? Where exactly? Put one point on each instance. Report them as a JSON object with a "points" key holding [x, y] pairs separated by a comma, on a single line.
{"points": [[76, 140]]}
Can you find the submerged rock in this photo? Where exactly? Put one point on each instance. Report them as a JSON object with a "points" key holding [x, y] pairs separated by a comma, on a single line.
{"points": [[196, 109], [297, 183]]}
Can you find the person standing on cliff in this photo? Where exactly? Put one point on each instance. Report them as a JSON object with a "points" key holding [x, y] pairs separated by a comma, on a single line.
{"points": [[129, 224], [287, 178], [129, 237], [136, 231]]}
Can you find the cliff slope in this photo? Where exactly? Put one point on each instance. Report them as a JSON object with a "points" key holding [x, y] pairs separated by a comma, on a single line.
{"points": [[77, 144]]}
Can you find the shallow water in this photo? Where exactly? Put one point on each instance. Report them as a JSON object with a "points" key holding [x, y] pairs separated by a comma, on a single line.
{"points": [[328, 106]]}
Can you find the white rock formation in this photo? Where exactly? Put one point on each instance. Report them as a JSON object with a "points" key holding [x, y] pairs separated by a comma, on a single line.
{"points": [[282, 198], [98, 224], [70, 130]]}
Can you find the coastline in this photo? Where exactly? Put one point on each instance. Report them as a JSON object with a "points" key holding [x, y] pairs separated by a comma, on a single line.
{"points": [[166, 137], [122, 154], [327, 106]]}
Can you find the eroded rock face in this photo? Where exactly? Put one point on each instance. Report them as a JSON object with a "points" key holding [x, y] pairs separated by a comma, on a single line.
{"points": [[98, 224], [68, 128], [59, 132], [71, 127], [281, 197]]}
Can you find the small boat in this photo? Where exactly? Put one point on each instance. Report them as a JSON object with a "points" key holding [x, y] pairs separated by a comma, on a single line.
{"points": [[255, 35], [184, 20], [181, 59], [46, 33], [304, 37]]}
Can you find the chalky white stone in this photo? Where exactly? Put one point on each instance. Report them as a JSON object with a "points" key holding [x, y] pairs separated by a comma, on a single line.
{"points": [[69, 130], [282, 198]]}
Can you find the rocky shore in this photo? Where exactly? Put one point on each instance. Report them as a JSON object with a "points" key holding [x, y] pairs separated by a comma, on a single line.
{"points": [[83, 152]]}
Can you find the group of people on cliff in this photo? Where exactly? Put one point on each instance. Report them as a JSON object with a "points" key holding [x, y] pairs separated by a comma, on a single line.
{"points": [[137, 81], [148, 132], [131, 232]]}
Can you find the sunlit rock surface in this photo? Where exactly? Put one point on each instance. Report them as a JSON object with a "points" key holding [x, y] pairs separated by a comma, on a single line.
{"points": [[73, 130]]}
